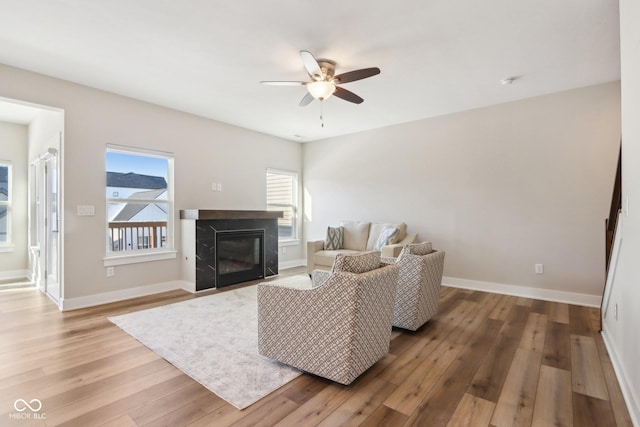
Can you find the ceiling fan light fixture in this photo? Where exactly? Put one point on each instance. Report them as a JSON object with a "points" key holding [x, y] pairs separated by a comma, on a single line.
{"points": [[324, 82], [321, 89]]}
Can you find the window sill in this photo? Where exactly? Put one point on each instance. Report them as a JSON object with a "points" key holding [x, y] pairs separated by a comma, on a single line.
{"points": [[7, 248], [290, 242], [112, 260]]}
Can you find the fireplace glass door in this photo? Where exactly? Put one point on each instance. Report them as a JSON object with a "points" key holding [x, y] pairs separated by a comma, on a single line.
{"points": [[239, 256]]}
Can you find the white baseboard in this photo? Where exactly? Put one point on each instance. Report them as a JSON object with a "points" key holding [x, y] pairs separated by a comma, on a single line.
{"points": [[121, 295], [631, 399], [291, 264], [14, 274], [524, 291]]}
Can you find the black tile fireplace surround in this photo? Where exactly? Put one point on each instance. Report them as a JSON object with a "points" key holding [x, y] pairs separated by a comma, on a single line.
{"points": [[211, 225]]}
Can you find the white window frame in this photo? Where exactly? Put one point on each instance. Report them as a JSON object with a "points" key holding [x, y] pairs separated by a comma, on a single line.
{"points": [[142, 255], [294, 239], [8, 246]]}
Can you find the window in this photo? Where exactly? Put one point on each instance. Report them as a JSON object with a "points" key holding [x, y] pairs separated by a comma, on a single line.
{"points": [[5, 204], [282, 192], [139, 194]]}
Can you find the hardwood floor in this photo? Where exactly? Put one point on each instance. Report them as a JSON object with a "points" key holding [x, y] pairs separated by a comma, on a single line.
{"points": [[485, 360]]}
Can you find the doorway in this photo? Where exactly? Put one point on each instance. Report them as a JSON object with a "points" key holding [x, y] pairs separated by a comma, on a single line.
{"points": [[37, 250]]}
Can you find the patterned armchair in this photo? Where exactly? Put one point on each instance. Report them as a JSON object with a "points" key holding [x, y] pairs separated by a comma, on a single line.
{"points": [[419, 282], [337, 329]]}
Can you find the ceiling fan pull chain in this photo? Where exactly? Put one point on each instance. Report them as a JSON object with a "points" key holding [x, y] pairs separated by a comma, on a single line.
{"points": [[321, 114]]}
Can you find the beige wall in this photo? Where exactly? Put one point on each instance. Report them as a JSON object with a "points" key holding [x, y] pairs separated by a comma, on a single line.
{"points": [[499, 189], [205, 151], [44, 132], [621, 333], [13, 147]]}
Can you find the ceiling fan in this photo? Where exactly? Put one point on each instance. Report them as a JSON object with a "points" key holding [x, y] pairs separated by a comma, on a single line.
{"points": [[323, 82]]}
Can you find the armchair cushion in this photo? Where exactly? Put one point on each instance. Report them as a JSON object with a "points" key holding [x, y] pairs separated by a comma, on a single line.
{"points": [[423, 248], [356, 263]]}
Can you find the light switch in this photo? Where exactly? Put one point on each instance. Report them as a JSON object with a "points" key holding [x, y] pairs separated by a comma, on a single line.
{"points": [[626, 206], [214, 186], [219, 187], [86, 210]]}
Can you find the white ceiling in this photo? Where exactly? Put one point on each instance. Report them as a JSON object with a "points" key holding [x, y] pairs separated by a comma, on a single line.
{"points": [[206, 57]]}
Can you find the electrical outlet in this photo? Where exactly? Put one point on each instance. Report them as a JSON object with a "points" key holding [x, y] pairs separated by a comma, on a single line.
{"points": [[539, 268], [111, 271]]}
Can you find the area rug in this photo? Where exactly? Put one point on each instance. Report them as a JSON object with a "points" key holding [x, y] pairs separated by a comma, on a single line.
{"points": [[214, 340]]}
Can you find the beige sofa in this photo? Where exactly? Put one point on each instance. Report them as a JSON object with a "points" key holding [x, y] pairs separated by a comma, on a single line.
{"points": [[358, 237]]}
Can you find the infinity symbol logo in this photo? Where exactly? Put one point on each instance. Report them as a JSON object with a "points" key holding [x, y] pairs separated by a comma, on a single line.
{"points": [[21, 405]]}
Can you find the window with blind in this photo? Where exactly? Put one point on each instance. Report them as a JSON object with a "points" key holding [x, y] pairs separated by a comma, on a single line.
{"points": [[282, 191]]}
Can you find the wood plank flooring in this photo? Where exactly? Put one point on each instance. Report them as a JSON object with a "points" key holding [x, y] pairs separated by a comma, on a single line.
{"points": [[484, 360]]}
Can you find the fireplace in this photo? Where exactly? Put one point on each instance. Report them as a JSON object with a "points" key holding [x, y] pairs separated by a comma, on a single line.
{"points": [[239, 256], [200, 231]]}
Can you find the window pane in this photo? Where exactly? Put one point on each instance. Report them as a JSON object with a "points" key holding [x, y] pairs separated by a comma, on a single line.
{"points": [[138, 202], [280, 197], [3, 224], [136, 176], [135, 225], [286, 225], [4, 183]]}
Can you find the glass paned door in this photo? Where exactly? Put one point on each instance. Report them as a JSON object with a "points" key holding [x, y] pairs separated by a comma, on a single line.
{"points": [[52, 223]]}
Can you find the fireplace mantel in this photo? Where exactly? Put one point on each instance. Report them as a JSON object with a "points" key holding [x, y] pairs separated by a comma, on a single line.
{"points": [[203, 214]]}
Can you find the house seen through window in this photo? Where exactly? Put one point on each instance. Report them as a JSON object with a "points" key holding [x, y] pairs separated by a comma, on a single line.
{"points": [[5, 203], [282, 191], [139, 201]]}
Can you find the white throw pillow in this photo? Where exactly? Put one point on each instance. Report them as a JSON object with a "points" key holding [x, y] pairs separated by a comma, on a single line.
{"points": [[386, 235], [402, 233]]}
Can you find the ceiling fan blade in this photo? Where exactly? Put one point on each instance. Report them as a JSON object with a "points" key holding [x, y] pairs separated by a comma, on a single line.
{"points": [[311, 64], [306, 100], [348, 95], [352, 76], [272, 83]]}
